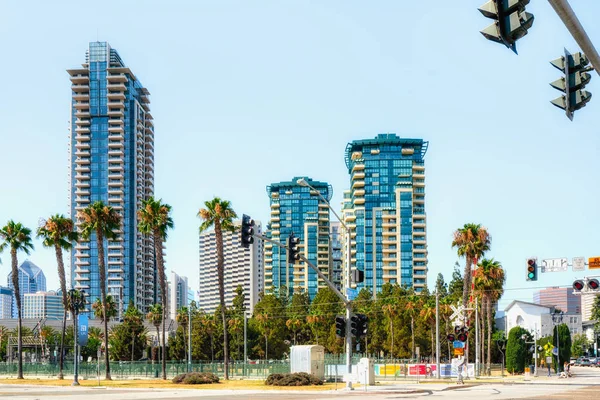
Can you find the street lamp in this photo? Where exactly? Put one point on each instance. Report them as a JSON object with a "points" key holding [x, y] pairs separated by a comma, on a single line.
{"points": [[77, 303], [302, 182], [556, 321]]}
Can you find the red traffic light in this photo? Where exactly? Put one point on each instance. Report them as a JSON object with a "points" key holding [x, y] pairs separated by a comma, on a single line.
{"points": [[463, 337], [593, 284], [578, 285], [531, 262], [450, 337]]}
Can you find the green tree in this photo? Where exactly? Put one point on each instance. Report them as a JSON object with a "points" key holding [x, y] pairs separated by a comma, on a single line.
{"points": [[103, 221], [219, 214], [236, 322], [323, 309], [268, 322], [440, 285], [297, 311], [564, 345], [95, 337], [111, 309], [183, 320], [489, 279], [455, 288], [155, 316], [16, 237], [58, 232], [155, 219], [471, 241], [517, 354], [580, 345], [596, 313], [128, 339]]}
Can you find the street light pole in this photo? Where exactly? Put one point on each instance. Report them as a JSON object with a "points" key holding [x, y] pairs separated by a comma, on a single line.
{"points": [[557, 320], [303, 182], [189, 339]]}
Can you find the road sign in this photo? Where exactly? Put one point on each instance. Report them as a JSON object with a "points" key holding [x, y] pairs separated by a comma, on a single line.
{"points": [[351, 293], [83, 330], [458, 313], [459, 351], [594, 263], [578, 263], [555, 265], [457, 344]]}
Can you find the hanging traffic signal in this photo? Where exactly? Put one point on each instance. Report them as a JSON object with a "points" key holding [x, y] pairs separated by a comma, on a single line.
{"points": [[359, 325], [573, 83], [340, 326], [292, 246], [512, 21], [578, 285], [532, 269], [593, 284], [247, 231], [358, 276]]}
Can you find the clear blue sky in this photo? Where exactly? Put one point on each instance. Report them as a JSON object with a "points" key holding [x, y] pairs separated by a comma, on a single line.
{"points": [[245, 93]]}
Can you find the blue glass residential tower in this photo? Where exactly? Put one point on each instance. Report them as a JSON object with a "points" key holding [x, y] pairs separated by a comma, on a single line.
{"points": [[31, 280], [112, 159], [298, 209], [385, 210]]}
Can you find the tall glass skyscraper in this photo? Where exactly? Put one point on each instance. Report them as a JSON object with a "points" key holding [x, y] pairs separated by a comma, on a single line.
{"points": [[112, 159], [385, 210], [298, 209], [31, 280]]}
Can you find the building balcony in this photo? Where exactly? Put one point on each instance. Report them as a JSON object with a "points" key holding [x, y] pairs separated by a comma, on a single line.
{"points": [[81, 97], [418, 175], [82, 122], [419, 223], [357, 184], [82, 130], [115, 152], [83, 261], [82, 114], [419, 182], [388, 250], [81, 88], [82, 138], [82, 192], [275, 211], [359, 192], [358, 175], [116, 96], [117, 129], [419, 257], [115, 190], [417, 167], [112, 144], [358, 167], [275, 205], [82, 183], [359, 201], [419, 241], [82, 105], [418, 200], [112, 78], [80, 145], [80, 79], [119, 86], [82, 168], [116, 113]]}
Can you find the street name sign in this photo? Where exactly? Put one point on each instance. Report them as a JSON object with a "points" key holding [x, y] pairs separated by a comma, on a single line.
{"points": [[578, 264], [555, 265]]}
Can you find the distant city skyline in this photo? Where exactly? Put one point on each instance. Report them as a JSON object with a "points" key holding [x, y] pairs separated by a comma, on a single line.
{"points": [[245, 95]]}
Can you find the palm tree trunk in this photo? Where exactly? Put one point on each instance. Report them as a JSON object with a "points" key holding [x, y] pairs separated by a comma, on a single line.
{"points": [[158, 254], [392, 332], [482, 332], [102, 276], [158, 341], [489, 336], [412, 334], [63, 288], [221, 279], [466, 290], [17, 289]]}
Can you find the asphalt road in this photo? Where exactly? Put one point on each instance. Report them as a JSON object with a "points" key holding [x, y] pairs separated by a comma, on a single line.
{"points": [[584, 385]]}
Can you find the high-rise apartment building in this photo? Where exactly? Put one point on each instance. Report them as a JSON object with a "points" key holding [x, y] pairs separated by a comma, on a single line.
{"points": [[6, 302], [299, 210], [560, 298], [31, 280], [385, 210], [336, 255], [242, 267], [587, 306], [177, 295], [112, 160], [43, 305]]}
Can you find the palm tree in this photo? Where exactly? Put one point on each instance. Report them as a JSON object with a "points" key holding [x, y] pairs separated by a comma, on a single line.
{"points": [[102, 220], [155, 219], [490, 278], [471, 242], [427, 315], [209, 324], [155, 315], [111, 309], [59, 232], [17, 238], [412, 306], [182, 319], [390, 312], [218, 213]]}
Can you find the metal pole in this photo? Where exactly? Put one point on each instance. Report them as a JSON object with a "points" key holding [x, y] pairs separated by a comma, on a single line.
{"points": [[245, 342], [189, 339], [567, 15], [76, 345], [476, 337], [348, 313], [437, 333], [535, 355]]}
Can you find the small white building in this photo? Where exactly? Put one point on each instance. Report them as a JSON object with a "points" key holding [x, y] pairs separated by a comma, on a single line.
{"points": [[533, 316]]}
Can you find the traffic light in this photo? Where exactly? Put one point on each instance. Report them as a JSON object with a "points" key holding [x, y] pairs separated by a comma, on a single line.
{"points": [[578, 285], [247, 231], [532, 269], [593, 284], [573, 83], [451, 337], [359, 324], [512, 21], [292, 246], [340, 326], [358, 276], [464, 334]]}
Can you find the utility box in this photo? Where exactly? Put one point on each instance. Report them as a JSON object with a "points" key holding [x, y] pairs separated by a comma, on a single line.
{"points": [[366, 371], [309, 359]]}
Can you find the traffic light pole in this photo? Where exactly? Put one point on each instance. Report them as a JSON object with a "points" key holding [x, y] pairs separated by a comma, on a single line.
{"points": [[567, 15]]}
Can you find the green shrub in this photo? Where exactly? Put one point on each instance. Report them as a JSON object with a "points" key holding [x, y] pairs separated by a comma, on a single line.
{"points": [[196, 378], [517, 354], [295, 379]]}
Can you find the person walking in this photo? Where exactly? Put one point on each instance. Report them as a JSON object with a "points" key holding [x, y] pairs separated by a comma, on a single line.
{"points": [[549, 364]]}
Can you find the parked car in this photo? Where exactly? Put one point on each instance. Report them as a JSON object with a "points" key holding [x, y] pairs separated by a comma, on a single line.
{"points": [[585, 362]]}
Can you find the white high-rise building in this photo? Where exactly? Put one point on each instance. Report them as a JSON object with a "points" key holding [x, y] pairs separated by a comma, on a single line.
{"points": [[43, 305], [178, 294], [242, 267], [112, 160]]}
